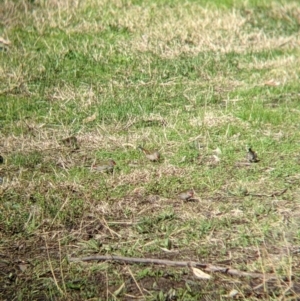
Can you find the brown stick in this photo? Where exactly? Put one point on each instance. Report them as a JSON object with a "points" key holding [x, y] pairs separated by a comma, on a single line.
{"points": [[205, 266], [277, 193]]}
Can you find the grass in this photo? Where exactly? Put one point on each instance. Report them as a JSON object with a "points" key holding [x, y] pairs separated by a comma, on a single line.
{"points": [[199, 82]]}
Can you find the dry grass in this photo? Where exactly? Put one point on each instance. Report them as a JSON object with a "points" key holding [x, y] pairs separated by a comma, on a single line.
{"points": [[199, 83]]}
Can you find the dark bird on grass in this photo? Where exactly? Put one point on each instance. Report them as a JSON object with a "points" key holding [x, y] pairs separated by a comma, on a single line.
{"points": [[186, 195], [153, 156], [105, 166], [252, 156], [1, 160], [71, 142]]}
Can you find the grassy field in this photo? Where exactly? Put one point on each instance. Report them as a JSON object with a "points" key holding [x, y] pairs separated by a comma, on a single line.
{"points": [[198, 81]]}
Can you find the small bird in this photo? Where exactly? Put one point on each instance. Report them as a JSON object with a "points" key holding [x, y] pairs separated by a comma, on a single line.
{"points": [[153, 156], [1, 160], [252, 156], [106, 166], [71, 142], [186, 195]]}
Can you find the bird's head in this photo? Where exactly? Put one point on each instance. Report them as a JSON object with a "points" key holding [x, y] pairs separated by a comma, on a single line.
{"points": [[112, 162]]}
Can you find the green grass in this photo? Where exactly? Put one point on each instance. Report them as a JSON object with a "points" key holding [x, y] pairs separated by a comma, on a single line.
{"points": [[198, 81]]}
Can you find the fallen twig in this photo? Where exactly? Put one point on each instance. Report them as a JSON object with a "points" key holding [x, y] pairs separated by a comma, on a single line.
{"points": [[205, 266], [277, 193]]}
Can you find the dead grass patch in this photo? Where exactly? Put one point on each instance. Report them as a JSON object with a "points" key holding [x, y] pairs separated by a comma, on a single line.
{"points": [[282, 71], [170, 31], [191, 29], [213, 119]]}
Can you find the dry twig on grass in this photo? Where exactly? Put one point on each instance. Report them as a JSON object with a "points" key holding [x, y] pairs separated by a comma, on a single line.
{"points": [[205, 266], [276, 193]]}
